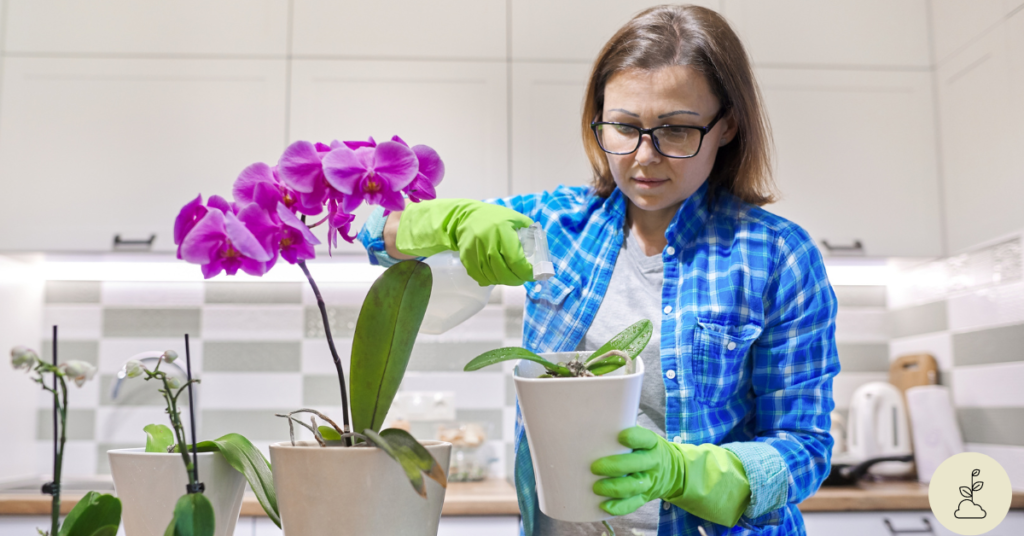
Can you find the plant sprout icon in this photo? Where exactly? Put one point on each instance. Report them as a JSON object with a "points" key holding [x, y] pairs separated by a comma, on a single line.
{"points": [[967, 508]]}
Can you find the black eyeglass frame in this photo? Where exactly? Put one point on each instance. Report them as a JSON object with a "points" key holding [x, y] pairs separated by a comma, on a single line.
{"points": [[650, 132]]}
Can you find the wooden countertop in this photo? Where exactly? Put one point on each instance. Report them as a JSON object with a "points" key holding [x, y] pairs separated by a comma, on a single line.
{"points": [[489, 497], [498, 497]]}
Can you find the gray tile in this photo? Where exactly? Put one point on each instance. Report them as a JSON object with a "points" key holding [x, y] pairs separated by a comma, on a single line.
{"points": [[253, 292], [452, 356], [513, 323], [860, 295], [995, 345], [927, 318], [321, 390], [995, 426], [221, 356], [256, 425], [135, 392], [864, 357], [88, 351], [510, 463], [80, 426], [72, 292], [342, 320], [122, 322], [510, 390], [103, 461]]}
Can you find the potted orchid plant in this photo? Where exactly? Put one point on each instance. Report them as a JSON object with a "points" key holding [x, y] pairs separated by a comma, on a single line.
{"points": [[342, 480], [95, 514]]}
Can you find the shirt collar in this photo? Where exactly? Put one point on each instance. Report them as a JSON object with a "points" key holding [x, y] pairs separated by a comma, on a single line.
{"points": [[691, 217]]}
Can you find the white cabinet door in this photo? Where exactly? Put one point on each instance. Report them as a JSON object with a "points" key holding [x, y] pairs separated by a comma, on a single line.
{"points": [[458, 108], [547, 147], [956, 23], [856, 157], [465, 29], [132, 27], [572, 31], [96, 147], [981, 140], [811, 32]]}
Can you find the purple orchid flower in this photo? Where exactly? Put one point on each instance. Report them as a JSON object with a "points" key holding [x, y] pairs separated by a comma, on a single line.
{"points": [[338, 223], [261, 184], [188, 217], [375, 174], [301, 169], [428, 176], [295, 239], [220, 242]]}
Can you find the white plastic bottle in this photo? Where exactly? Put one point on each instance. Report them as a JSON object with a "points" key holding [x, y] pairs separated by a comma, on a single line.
{"points": [[455, 296]]}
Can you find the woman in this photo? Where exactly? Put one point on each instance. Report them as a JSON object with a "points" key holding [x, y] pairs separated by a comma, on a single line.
{"points": [[733, 430]]}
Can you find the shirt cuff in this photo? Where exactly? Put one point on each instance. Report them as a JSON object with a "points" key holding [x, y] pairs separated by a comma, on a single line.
{"points": [[768, 476], [372, 238]]}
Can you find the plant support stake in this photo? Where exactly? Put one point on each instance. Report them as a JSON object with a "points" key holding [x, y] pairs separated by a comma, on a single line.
{"points": [[198, 486]]}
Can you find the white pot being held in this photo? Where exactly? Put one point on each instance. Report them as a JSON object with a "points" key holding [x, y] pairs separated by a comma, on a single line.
{"points": [[570, 422], [149, 484]]}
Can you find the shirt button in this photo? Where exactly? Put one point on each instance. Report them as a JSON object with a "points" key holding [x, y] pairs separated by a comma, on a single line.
{"points": [[677, 439], [670, 374], [666, 505], [671, 250], [668, 309], [731, 345], [539, 287]]}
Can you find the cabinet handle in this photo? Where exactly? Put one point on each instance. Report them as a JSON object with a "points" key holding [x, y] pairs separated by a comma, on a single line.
{"points": [[927, 528], [145, 243], [857, 248]]}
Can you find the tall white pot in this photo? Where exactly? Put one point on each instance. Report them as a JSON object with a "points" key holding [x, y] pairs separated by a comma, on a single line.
{"points": [[570, 422], [353, 491], [149, 484]]}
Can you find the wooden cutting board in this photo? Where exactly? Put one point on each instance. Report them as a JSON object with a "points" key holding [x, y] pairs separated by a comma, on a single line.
{"points": [[912, 370]]}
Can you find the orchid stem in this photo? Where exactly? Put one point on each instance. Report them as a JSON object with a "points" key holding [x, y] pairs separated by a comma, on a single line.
{"points": [[59, 414], [334, 352]]}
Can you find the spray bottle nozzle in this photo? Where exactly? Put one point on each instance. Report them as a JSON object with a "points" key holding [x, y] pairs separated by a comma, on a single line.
{"points": [[535, 246]]}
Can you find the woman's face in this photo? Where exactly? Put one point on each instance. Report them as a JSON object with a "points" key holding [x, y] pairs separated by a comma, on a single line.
{"points": [[676, 95]]}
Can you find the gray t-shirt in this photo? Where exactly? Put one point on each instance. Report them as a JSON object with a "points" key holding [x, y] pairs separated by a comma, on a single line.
{"points": [[634, 293]]}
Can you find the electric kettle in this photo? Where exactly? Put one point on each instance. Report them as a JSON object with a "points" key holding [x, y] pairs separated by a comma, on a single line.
{"points": [[877, 427]]}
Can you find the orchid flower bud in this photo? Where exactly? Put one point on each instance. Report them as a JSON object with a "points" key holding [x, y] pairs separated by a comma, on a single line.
{"points": [[80, 371], [173, 383], [23, 358], [169, 356], [134, 368]]}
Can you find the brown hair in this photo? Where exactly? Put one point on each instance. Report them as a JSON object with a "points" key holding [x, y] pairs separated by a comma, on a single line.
{"points": [[669, 35]]}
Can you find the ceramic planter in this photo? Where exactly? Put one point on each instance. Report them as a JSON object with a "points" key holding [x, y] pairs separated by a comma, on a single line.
{"points": [[353, 491], [149, 484], [570, 422]]}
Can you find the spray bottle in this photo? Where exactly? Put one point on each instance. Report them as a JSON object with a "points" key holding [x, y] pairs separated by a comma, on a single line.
{"points": [[455, 296]]}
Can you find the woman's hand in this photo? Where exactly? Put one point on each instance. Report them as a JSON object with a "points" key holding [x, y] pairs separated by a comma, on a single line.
{"points": [[654, 470], [483, 234]]}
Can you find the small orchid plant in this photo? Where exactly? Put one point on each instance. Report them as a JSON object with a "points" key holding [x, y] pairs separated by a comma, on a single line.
{"points": [[266, 221], [95, 513]]}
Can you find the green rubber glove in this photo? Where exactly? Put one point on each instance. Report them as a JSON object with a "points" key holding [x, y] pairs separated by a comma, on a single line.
{"points": [[706, 480], [483, 234]]}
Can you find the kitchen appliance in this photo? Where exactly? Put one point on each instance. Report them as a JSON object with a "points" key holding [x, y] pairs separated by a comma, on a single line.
{"points": [[877, 427], [912, 370], [934, 428]]}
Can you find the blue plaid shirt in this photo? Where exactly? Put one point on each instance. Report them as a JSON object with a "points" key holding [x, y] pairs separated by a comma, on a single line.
{"points": [[747, 339]]}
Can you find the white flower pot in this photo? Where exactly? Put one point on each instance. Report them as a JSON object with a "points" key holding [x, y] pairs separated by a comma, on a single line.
{"points": [[570, 422], [149, 484], [353, 491]]}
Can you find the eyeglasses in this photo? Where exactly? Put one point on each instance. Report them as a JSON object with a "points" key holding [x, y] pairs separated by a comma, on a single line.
{"points": [[673, 141]]}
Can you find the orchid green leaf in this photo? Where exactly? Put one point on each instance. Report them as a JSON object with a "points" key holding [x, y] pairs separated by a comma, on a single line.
{"points": [[109, 530], [193, 516], [385, 332], [158, 438], [412, 470], [93, 513], [412, 450], [606, 364], [631, 340], [487, 359], [329, 433]]}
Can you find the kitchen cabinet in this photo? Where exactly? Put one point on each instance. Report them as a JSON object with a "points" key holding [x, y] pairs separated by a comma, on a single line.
{"points": [[547, 145], [873, 523], [465, 29], [785, 33], [147, 27], [572, 31], [96, 147], [981, 135], [458, 108], [856, 157]]}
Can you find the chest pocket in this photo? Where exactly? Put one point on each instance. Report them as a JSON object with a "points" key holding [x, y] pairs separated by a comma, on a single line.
{"points": [[551, 292], [718, 361]]}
